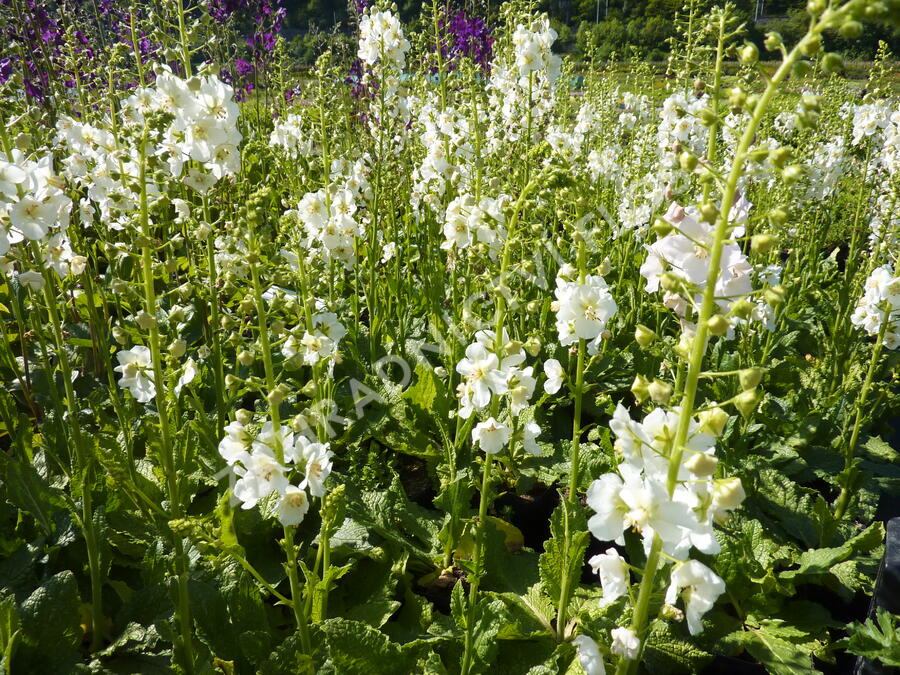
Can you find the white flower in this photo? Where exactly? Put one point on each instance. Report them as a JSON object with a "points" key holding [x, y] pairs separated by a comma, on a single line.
{"points": [[555, 376], [31, 279], [699, 587], [33, 217], [233, 447], [589, 657], [642, 503], [880, 303], [583, 310], [270, 441], [625, 643], [613, 572], [317, 347], [529, 439], [490, 435], [136, 367], [519, 388], [260, 476], [292, 506], [316, 457], [187, 375], [480, 368]]}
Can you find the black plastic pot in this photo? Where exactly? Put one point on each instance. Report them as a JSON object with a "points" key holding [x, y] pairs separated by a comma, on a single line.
{"points": [[887, 592]]}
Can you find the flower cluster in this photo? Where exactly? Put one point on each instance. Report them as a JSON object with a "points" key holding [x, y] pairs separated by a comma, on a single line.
{"points": [[466, 37], [328, 216], [679, 262], [381, 40], [320, 343], [644, 496], [467, 223], [878, 310], [583, 308], [265, 462], [34, 203], [489, 372]]}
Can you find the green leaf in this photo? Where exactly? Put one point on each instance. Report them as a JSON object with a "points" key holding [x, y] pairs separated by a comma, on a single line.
{"points": [[563, 555], [665, 652], [27, 490], [778, 655], [9, 631], [877, 640], [356, 648], [51, 628]]}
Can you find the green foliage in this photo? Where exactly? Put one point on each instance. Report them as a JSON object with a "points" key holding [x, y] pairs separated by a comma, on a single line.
{"points": [[877, 639]]}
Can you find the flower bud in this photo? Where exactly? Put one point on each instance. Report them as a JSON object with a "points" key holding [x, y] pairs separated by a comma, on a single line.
{"points": [[707, 117], [774, 295], [441, 372], [309, 389], [144, 320], [737, 97], [670, 281], [832, 63], [533, 346], [713, 421], [604, 268], [810, 102], [671, 613], [801, 68], [701, 465], [276, 396], [792, 174], [231, 381], [728, 493], [687, 161], [299, 423], [815, 7], [709, 212], [742, 309], [660, 392], [243, 416], [746, 402], [203, 230], [773, 41], [683, 348], [778, 216], [512, 347], [717, 325], [247, 306], [812, 47], [749, 54], [779, 156], [245, 358], [644, 336], [661, 227], [177, 348], [762, 243], [120, 335], [750, 377], [640, 389]]}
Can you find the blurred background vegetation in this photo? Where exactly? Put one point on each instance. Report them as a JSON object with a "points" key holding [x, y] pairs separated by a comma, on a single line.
{"points": [[621, 29]]}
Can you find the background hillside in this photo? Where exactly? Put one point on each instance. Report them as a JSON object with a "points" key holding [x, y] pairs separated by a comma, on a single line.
{"points": [[624, 27]]}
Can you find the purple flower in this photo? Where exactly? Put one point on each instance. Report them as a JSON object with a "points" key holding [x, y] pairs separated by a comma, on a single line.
{"points": [[6, 67], [466, 37]]}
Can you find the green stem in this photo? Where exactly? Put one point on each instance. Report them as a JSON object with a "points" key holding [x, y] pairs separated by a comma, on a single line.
{"points": [[844, 497], [698, 345], [167, 452], [476, 580]]}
